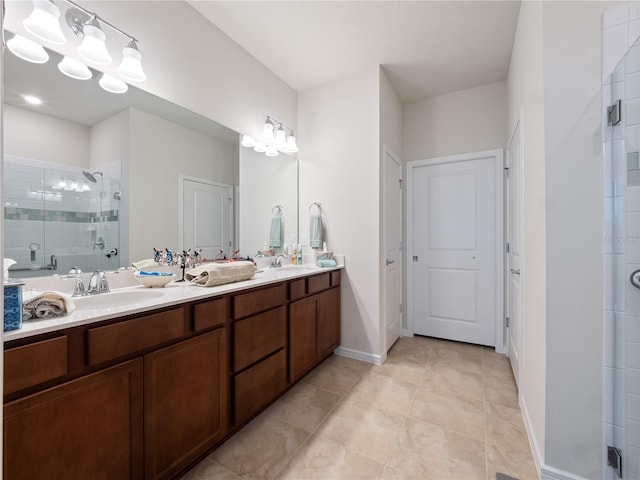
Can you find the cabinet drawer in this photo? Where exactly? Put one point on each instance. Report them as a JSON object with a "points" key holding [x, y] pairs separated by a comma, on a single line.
{"points": [[259, 301], [317, 283], [209, 314], [335, 278], [124, 338], [257, 386], [35, 363], [297, 289], [258, 336]]}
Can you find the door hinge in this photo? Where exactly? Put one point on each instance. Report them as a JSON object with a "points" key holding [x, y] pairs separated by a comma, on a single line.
{"points": [[506, 171], [400, 183], [508, 247], [400, 305], [614, 459], [614, 113], [506, 322]]}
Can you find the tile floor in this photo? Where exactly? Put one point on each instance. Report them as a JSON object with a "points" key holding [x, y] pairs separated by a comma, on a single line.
{"points": [[435, 410]]}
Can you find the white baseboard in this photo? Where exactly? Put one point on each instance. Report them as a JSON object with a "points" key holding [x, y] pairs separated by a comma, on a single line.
{"points": [[358, 355]]}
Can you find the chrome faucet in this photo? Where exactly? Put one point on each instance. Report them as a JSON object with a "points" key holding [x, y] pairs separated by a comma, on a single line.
{"points": [[277, 261], [98, 283], [79, 290]]}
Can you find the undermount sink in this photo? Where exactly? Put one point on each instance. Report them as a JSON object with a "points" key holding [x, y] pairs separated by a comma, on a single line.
{"points": [[112, 300], [289, 271]]}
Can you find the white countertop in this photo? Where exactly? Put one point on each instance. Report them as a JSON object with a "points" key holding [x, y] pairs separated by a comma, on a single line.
{"points": [[147, 299]]}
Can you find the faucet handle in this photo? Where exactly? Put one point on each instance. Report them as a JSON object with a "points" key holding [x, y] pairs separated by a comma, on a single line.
{"points": [[79, 290]]}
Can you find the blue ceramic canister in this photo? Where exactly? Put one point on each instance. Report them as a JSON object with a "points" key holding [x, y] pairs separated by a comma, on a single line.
{"points": [[12, 305]]}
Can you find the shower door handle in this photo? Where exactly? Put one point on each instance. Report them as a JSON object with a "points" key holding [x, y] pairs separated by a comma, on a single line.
{"points": [[634, 278]]}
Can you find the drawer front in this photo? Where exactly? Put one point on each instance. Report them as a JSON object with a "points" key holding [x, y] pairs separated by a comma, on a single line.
{"points": [[258, 336], [297, 289], [259, 301], [130, 336], [335, 278], [35, 363], [257, 386], [317, 283], [209, 314]]}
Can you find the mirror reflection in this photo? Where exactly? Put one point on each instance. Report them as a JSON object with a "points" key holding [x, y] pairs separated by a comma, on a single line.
{"points": [[98, 180]]}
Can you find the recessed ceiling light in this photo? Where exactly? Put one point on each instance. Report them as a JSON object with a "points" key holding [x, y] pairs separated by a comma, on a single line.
{"points": [[33, 100]]}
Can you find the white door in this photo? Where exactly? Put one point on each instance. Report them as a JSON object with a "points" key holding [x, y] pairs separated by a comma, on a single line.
{"points": [[206, 217], [392, 221], [454, 254], [514, 225]]}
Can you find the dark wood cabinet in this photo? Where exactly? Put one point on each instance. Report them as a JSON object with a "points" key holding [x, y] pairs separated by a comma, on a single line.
{"points": [[185, 402], [86, 428], [302, 337], [146, 395], [314, 330]]}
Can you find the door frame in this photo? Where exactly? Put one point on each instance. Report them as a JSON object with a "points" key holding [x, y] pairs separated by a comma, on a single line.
{"points": [[498, 158], [181, 180], [383, 298], [519, 128]]}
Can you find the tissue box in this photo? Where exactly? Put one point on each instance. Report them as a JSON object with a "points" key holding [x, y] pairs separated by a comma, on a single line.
{"points": [[12, 306]]}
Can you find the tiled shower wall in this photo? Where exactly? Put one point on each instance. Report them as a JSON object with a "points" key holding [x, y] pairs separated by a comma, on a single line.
{"points": [[63, 223], [621, 246]]}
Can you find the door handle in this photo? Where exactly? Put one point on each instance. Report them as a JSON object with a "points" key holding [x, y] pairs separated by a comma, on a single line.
{"points": [[515, 272], [389, 262]]}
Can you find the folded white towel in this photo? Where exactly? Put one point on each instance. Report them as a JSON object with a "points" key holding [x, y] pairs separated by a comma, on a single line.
{"points": [[46, 304], [212, 274], [315, 231]]}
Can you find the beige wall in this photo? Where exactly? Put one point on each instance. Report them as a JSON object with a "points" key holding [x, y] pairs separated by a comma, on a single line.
{"points": [[41, 137], [189, 61], [525, 99], [572, 43], [470, 120], [160, 151], [339, 128]]}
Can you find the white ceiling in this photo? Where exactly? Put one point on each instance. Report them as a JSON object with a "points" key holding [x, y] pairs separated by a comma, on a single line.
{"points": [[427, 48]]}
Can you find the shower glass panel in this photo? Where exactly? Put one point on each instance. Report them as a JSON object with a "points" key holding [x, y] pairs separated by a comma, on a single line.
{"points": [[56, 219], [622, 259]]}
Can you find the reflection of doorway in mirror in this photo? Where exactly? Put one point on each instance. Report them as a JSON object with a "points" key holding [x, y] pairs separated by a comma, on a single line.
{"points": [[206, 214], [55, 206]]}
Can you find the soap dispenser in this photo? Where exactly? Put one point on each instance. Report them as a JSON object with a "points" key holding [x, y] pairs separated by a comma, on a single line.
{"points": [[299, 257]]}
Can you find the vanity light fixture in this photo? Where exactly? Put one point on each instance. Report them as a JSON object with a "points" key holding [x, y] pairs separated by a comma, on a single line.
{"points": [[27, 49], [112, 84], [274, 139], [131, 66], [44, 22], [94, 47], [74, 69]]}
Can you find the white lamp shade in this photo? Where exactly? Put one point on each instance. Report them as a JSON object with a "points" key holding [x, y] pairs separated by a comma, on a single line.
{"points": [[248, 141], [112, 84], [280, 141], [93, 48], [272, 151], [131, 66], [74, 69], [260, 147], [27, 49], [267, 132], [44, 22], [291, 147]]}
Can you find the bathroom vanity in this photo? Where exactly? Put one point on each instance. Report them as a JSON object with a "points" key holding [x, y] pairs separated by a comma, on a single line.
{"points": [[149, 391]]}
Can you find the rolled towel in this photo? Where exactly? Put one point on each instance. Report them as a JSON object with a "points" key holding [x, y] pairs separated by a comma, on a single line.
{"points": [[146, 263], [212, 274], [315, 231], [275, 235], [46, 304]]}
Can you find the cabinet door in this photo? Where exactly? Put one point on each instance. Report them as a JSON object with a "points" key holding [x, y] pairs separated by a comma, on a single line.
{"points": [[302, 336], [185, 402], [86, 428], [328, 329]]}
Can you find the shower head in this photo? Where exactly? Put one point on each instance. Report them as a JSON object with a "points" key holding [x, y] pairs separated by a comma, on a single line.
{"points": [[91, 176]]}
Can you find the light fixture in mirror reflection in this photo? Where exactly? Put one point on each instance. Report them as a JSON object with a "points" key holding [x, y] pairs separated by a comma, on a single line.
{"points": [[273, 139], [144, 145]]}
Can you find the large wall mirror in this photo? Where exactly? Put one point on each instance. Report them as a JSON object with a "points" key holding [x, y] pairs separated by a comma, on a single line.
{"points": [[98, 180]]}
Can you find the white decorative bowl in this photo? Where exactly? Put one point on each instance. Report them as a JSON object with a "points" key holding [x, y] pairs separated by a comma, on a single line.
{"points": [[153, 279]]}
